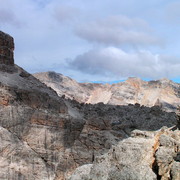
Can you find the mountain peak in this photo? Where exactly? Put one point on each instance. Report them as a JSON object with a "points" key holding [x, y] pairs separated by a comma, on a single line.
{"points": [[134, 79], [165, 80]]}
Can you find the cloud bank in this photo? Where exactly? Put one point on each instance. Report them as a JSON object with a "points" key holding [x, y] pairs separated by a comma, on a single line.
{"points": [[118, 64], [110, 60]]}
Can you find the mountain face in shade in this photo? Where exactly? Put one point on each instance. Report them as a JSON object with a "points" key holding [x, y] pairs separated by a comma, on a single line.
{"points": [[46, 137], [163, 93]]}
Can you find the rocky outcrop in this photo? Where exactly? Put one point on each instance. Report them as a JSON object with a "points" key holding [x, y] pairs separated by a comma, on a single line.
{"points": [[6, 49], [145, 155], [167, 156], [164, 93]]}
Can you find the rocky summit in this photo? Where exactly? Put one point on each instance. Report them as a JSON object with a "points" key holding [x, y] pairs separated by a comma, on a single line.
{"points": [[164, 93], [6, 49], [47, 137]]}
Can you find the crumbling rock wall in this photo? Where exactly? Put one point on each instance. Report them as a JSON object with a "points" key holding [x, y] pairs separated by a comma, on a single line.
{"points": [[6, 49]]}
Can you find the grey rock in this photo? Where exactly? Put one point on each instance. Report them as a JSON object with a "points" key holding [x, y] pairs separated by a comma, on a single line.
{"points": [[175, 171], [19, 161], [166, 141], [82, 172], [129, 159], [167, 155], [137, 158]]}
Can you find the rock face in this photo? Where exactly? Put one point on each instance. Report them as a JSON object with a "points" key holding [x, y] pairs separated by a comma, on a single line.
{"points": [[33, 121], [145, 155], [163, 93], [6, 49], [44, 136], [167, 156]]}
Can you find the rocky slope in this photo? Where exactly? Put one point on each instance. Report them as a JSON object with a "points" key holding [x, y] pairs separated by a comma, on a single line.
{"points": [[164, 92], [144, 156], [43, 136]]}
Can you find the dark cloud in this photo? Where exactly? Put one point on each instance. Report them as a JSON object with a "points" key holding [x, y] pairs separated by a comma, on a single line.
{"points": [[117, 63], [118, 30]]}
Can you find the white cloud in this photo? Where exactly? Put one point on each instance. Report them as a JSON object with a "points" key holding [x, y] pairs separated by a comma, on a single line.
{"points": [[118, 30], [119, 64]]}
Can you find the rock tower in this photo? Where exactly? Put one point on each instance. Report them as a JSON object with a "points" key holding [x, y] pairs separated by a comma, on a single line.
{"points": [[6, 49]]}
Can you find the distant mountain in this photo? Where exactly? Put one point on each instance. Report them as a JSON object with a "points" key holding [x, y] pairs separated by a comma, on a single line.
{"points": [[164, 93]]}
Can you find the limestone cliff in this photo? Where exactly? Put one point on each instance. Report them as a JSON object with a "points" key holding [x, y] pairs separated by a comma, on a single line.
{"points": [[44, 136], [163, 93]]}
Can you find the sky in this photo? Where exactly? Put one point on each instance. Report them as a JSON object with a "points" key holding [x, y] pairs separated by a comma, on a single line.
{"points": [[96, 40]]}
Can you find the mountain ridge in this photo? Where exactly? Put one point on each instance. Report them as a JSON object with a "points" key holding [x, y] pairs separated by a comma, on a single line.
{"points": [[163, 92]]}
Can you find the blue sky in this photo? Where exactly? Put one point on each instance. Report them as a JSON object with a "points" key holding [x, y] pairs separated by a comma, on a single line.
{"points": [[97, 40]]}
